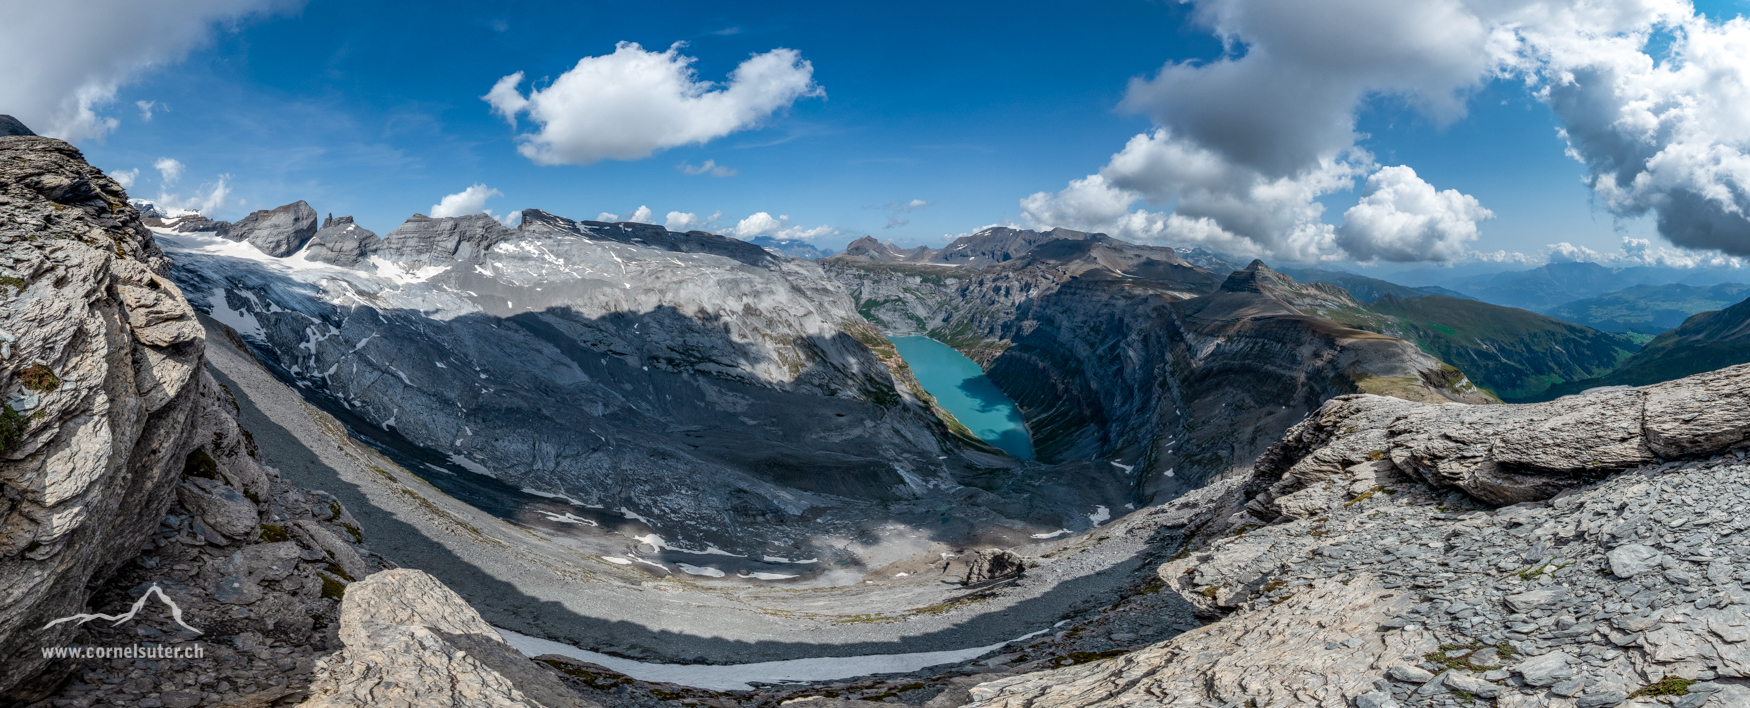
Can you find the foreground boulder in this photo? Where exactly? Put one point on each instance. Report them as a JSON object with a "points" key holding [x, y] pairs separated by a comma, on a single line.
{"points": [[993, 564], [412, 642]]}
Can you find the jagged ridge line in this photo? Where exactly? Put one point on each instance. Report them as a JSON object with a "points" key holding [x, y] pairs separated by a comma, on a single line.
{"points": [[175, 612]]}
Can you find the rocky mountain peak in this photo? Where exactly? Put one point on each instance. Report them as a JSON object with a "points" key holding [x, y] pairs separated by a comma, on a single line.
{"points": [[422, 240], [536, 221], [341, 242], [12, 126], [1257, 278], [278, 232]]}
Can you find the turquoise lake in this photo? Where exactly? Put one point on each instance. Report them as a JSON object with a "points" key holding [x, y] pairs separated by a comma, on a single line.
{"points": [[962, 388]]}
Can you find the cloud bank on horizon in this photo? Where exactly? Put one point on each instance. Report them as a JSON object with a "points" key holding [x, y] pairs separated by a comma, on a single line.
{"points": [[1247, 144]]}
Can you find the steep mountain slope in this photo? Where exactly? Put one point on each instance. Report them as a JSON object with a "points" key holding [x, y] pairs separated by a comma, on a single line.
{"points": [[1704, 342], [1131, 355], [697, 381], [1650, 310], [1513, 353]]}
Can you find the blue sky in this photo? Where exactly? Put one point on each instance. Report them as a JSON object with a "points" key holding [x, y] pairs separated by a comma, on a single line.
{"points": [[375, 110]]}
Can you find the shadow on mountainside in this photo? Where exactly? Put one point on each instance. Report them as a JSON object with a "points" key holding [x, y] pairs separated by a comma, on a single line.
{"points": [[505, 604]]}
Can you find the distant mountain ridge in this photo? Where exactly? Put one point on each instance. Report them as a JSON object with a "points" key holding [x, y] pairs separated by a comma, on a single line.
{"points": [[999, 244], [1514, 353], [1704, 342], [1650, 309], [1367, 289]]}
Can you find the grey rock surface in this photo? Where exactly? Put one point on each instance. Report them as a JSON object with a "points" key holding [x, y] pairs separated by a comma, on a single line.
{"points": [[412, 643], [1506, 454], [1632, 559], [101, 382], [341, 242], [278, 232], [1519, 603]]}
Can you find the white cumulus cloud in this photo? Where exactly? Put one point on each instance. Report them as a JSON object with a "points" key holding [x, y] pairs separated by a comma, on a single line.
{"points": [[146, 110], [468, 201], [779, 227], [125, 178], [1669, 136], [634, 102], [641, 215], [60, 77], [688, 221], [1401, 218], [1247, 143], [169, 170]]}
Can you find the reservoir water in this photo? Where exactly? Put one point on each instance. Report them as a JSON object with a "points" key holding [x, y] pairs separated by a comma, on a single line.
{"points": [[961, 388]]}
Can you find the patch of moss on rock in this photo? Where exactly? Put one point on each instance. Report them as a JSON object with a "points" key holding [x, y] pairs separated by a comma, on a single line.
{"points": [[37, 377], [12, 427]]}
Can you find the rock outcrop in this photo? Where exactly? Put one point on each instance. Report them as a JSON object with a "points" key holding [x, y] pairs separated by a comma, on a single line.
{"points": [[1390, 577], [125, 480], [993, 564], [422, 240], [192, 223], [412, 643], [341, 242], [1504, 455], [278, 232], [100, 371]]}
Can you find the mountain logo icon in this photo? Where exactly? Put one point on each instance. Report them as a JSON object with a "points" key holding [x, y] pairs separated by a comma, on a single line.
{"points": [[175, 612]]}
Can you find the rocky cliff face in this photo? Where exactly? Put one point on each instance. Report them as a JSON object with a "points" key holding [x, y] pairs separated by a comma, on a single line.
{"points": [[341, 242], [412, 643], [1132, 355], [114, 440], [104, 395], [278, 232]]}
